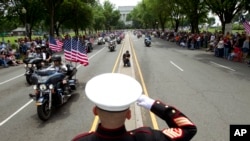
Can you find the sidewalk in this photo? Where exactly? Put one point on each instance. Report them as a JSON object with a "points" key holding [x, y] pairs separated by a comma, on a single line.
{"points": [[136, 119]]}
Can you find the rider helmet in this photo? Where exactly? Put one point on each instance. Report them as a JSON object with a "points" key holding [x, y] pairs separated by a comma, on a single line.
{"points": [[38, 47], [43, 46]]}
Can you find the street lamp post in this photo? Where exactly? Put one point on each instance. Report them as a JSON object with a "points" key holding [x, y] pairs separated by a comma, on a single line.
{"points": [[24, 11]]}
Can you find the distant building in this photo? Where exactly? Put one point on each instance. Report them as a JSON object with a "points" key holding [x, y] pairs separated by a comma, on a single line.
{"points": [[20, 31], [124, 11]]}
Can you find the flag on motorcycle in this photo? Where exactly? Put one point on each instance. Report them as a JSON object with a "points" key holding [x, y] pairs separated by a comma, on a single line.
{"points": [[246, 25], [69, 56], [75, 51], [55, 44], [82, 57]]}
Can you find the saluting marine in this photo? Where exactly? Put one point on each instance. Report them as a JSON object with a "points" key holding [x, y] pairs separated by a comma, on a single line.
{"points": [[107, 91]]}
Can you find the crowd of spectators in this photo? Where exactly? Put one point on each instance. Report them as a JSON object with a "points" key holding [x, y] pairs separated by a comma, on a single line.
{"points": [[234, 47], [11, 54]]}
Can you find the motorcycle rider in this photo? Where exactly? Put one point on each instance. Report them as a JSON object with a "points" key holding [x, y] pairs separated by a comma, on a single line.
{"points": [[126, 57], [62, 68], [47, 52], [147, 38], [39, 53], [57, 64]]}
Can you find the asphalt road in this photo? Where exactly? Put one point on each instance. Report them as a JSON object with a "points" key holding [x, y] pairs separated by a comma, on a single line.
{"points": [[212, 91]]}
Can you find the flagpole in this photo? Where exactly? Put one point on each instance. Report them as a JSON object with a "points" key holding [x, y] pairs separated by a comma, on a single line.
{"points": [[71, 50], [77, 50]]}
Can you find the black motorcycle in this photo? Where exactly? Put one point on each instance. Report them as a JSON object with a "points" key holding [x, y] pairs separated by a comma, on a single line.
{"points": [[112, 45], [118, 40], [52, 89], [88, 45], [147, 41], [32, 64]]}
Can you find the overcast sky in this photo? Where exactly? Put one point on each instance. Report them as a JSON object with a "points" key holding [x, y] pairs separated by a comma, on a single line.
{"points": [[122, 2]]}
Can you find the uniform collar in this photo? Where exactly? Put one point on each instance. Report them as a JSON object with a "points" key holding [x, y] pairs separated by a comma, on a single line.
{"points": [[111, 133]]}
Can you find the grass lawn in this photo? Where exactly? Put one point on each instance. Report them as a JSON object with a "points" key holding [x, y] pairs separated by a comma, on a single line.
{"points": [[13, 38]]}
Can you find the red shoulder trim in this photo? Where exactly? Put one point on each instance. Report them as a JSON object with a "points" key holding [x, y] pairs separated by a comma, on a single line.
{"points": [[76, 138]]}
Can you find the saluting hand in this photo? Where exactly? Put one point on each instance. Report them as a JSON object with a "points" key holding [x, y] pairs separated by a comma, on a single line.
{"points": [[145, 101]]}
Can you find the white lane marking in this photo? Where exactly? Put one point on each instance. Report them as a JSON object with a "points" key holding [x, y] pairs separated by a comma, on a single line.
{"points": [[1, 83], [222, 66], [176, 66], [7, 119], [15, 113]]}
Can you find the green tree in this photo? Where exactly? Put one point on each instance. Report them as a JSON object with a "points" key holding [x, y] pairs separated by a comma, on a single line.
{"points": [[211, 21], [99, 18], [79, 15], [195, 11], [51, 6], [112, 16], [225, 9], [28, 12]]}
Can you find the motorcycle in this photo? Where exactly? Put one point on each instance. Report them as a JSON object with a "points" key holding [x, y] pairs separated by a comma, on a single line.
{"points": [[101, 41], [118, 40], [112, 45], [89, 46], [32, 64], [147, 41], [52, 89]]}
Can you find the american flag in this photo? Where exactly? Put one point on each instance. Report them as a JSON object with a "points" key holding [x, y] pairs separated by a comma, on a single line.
{"points": [[246, 25], [75, 51], [55, 44]]}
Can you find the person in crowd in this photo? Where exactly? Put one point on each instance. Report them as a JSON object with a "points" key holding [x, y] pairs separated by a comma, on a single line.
{"points": [[212, 43], [219, 49], [227, 46], [3, 61], [112, 101], [245, 47], [236, 51]]}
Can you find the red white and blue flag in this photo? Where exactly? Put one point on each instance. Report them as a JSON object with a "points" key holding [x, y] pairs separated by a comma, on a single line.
{"points": [[55, 44], [75, 51], [246, 25]]}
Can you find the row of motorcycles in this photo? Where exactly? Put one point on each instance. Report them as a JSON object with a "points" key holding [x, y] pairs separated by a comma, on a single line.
{"points": [[52, 88]]}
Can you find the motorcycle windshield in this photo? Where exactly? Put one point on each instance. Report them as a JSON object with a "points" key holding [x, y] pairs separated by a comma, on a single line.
{"points": [[35, 60], [44, 75], [46, 72], [111, 43]]}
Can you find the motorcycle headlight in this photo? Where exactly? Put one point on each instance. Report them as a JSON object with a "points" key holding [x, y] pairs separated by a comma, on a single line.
{"points": [[29, 65], [35, 87], [25, 65], [42, 87], [51, 86], [34, 65]]}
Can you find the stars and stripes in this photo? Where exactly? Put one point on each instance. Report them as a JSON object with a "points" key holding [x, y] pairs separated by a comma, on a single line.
{"points": [[75, 51], [246, 25], [55, 44]]}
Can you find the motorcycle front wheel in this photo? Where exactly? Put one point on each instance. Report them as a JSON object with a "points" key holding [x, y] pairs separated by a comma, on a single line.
{"points": [[43, 111], [28, 79]]}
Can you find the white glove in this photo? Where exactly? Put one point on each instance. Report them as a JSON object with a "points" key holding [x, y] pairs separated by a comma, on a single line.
{"points": [[145, 101]]}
